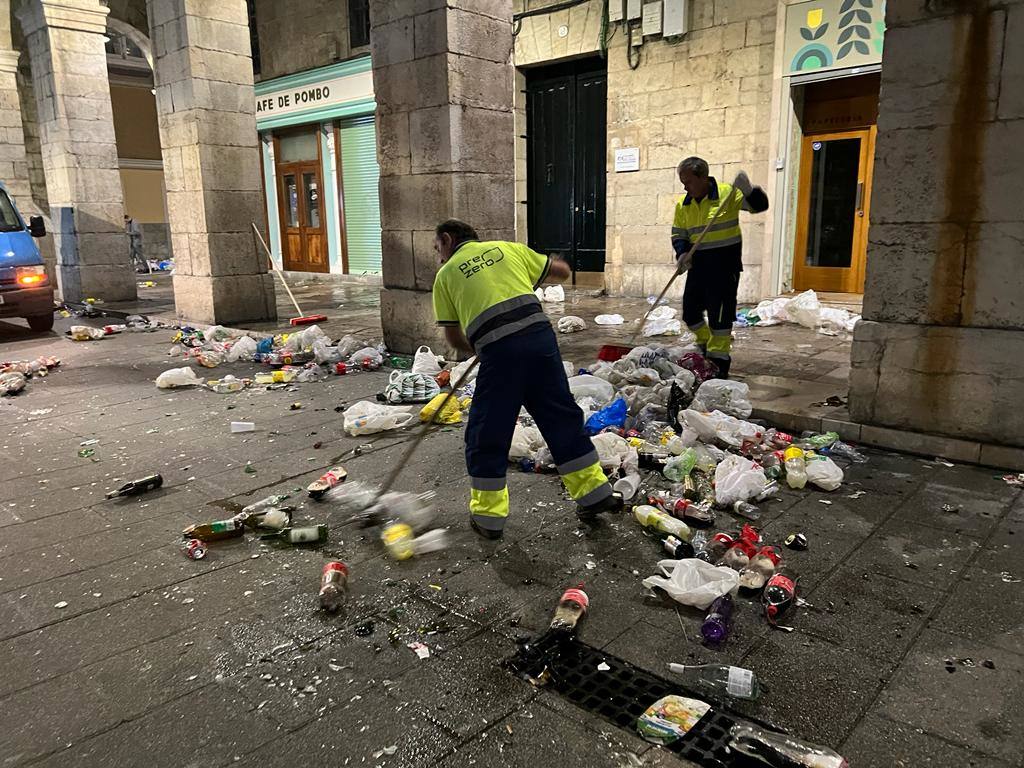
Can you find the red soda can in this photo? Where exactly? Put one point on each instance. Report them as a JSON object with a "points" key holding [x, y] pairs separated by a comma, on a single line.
{"points": [[194, 549], [340, 368], [333, 585]]}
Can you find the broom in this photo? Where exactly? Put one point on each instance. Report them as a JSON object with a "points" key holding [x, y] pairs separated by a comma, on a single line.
{"points": [[301, 319]]}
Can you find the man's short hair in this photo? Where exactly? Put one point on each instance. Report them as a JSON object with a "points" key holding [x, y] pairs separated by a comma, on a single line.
{"points": [[459, 230], [698, 166]]}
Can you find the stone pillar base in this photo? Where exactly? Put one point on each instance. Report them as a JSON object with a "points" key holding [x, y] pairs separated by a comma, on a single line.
{"points": [[408, 321], [961, 382], [110, 282], [225, 300]]}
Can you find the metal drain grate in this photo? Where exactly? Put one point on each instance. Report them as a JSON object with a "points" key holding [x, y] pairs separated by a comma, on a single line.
{"points": [[620, 694]]}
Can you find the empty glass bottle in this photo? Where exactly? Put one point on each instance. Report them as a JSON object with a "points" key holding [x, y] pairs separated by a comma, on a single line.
{"points": [[135, 487], [303, 534]]}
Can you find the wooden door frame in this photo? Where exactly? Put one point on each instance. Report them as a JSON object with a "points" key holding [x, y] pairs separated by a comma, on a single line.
{"points": [[297, 167], [849, 279]]}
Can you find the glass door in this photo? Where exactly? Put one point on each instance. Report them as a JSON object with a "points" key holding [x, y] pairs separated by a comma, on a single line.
{"points": [[832, 218], [303, 237]]}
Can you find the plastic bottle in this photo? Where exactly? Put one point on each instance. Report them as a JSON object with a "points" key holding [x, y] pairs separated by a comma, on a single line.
{"points": [[570, 611], [303, 534], [85, 333], [746, 510], [810, 441], [769, 489], [772, 465], [679, 467], [228, 384], [628, 485], [796, 467], [779, 597], [844, 451], [264, 504], [655, 519], [718, 621], [135, 487], [333, 586], [705, 488], [779, 749], [397, 538], [431, 541], [722, 679]]}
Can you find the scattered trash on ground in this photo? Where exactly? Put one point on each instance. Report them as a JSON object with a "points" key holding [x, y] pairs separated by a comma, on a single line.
{"points": [[805, 310]]}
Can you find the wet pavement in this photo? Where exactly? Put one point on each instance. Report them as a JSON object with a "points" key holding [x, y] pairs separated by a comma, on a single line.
{"points": [[116, 649]]}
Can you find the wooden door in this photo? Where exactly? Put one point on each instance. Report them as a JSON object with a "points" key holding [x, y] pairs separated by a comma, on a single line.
{"points": [[832, 216], [301, 208]]}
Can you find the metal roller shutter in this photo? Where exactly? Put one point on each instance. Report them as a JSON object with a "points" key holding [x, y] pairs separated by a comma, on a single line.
{"points": [[359, 176]]}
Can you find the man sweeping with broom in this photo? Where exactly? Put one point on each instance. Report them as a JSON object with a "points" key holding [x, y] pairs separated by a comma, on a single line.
{"points": [[484, 299], [714, 274]]}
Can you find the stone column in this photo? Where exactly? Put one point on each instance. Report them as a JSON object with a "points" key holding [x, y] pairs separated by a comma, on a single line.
{"points": [[941, 347], [13, 164], [442, 75], [205, 105], [76, 127]]}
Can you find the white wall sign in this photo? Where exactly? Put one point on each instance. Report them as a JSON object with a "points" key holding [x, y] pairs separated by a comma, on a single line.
{"points": [[627, 159], [326, 93]]}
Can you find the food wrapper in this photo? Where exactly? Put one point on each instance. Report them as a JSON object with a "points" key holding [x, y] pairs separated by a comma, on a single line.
{"points": [[669, 718]]}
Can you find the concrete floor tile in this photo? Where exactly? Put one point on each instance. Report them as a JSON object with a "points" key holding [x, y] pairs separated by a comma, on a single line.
{"points": [[880, 741], [986, 606], [902, 549]]}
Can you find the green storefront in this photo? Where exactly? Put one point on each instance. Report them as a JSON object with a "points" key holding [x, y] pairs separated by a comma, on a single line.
{"points": [[320, 169]]}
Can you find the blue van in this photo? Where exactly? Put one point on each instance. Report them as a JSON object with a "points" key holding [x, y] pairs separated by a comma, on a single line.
{"points": [[25, 290]]}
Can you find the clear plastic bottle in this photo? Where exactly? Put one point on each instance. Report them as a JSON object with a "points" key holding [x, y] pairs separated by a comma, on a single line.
{"points": [[679, 467], [844, 451], [722, 679], [779, 749], [746, 510], [570, 611], [263, 504], [628, 485], [796, 467], [654, 518]]}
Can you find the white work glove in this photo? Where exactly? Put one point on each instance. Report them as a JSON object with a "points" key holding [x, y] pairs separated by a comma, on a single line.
{"points": [[684, 262], [743, 183]]}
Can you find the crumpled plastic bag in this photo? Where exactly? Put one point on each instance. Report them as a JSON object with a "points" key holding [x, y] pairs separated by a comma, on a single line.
{"points": [[243, 349], [645, 377], [526, 441], [609, 319], [769, 312], [553, 293], [664, 312], [216, 333], [720, 427], [701, 368], [737, 479], [823, 472], [425, 362], [834, 321], [693, 582], [459, 370], [662, 327], [804, 309], [612, 449], [366, 418], [586, 385], [178, 377], [613, 415], [450, 414], [323, 352], [641, 357], [373, 356], [12, 382], [725, 395], [349, 344], [571, 324], [409, 387]]}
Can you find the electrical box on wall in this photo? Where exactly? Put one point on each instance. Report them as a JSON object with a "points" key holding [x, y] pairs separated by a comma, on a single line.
{"points": [[675, 18], [652, 18], [616, 10], [634, 9]]}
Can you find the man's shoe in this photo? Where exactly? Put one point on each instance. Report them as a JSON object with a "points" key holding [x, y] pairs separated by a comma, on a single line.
{"points": [[611, 503], [486, 533]]}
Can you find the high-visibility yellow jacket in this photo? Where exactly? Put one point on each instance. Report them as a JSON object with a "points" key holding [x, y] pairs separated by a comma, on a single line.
{"points": [[724, 235]]}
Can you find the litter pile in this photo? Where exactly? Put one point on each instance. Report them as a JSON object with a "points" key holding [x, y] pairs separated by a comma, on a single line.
{"points": [[805, 310], [15, 374], [302, 356]]}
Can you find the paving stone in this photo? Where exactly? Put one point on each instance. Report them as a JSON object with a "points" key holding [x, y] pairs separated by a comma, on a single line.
{"points": [[972, 706], [880, 741], [986, 607], [905, 550], [976, 515]]}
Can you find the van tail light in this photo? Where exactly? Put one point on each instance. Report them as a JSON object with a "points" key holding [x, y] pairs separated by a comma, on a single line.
{"points": [[32, 275]]}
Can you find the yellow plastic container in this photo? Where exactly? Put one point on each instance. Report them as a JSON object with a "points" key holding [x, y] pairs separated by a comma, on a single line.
{"points": [[397, 538]]}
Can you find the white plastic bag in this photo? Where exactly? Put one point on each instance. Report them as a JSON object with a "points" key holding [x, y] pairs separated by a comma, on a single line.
{"points": [[737, 479], [370, 354], [664, 312], [834, 321], [425, 361], [645, 377], [366, 418], [725, 395], [554, 293], [591, 386], [823, 472], [693, 582], [178, 377], [526, 441], [611, 449], [349, 344], [662, 327], [770, 311], [243, 349], [323, 352], [609, 319], [311, 335], [216, 333], [571, 323], [409, 387], [720, 427], [804, 309], [459, 370]]}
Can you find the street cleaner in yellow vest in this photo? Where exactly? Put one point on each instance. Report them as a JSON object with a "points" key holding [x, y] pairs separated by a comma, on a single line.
{"points": [[709, 299], [484, 299]]}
